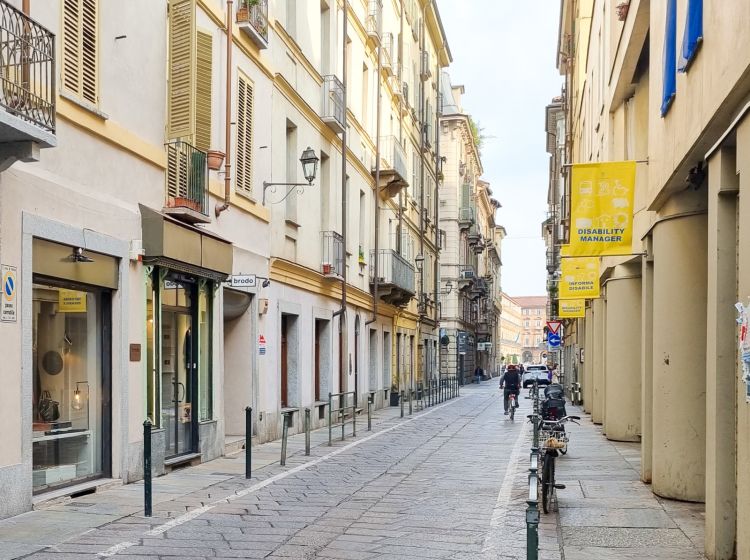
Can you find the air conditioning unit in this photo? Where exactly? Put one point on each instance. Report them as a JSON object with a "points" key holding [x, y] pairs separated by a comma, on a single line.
{"points": [[467, 274]]}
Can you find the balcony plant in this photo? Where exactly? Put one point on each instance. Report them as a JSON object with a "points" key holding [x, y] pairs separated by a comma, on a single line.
{"points": [[215, 159], [243, 11], [361, 259]]}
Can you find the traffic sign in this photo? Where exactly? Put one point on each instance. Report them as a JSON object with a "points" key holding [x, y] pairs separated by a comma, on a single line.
{"points": [[553, 340], [554, 326], [9, 289]]}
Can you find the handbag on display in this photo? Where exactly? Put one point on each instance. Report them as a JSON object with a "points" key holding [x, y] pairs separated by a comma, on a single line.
{"points": [[49, 410]]}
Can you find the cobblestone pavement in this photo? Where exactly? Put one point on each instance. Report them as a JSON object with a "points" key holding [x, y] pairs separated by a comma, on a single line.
{"points": [[447, 482]]}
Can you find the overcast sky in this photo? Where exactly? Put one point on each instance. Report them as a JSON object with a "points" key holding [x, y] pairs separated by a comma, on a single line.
{"points": [[504, 54]]}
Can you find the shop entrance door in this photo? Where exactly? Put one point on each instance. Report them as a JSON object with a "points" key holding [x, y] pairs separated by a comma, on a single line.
{"points": [[179, 367]]}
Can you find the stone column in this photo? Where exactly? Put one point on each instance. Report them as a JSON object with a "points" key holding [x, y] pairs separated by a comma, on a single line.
{"points": [[597, 404], [622, 412], [588, 361], [679, 421], [721, 505]]}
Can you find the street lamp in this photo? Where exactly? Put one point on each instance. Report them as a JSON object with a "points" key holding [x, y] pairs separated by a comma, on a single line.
{"points": [[309, 169]]}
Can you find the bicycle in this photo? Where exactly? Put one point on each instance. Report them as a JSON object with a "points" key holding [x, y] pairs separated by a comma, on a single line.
{"points": [[513, 406], [552, 440]]}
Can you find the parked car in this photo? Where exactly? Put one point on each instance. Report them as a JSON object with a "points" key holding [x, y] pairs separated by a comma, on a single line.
{"points": [[540, 372]]}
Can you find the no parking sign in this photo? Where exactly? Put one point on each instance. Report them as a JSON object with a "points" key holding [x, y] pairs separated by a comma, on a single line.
{"points": [[9, 290]]}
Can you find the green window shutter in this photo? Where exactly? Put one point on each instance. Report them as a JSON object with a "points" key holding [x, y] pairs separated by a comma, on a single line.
{"points": [[181, 89], [203, 92]]}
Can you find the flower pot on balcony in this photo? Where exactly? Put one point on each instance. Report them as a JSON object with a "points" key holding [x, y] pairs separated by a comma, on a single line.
{"points": [[243, 14], [327, 268], [215, 159], [182, 202], [622, 10]]}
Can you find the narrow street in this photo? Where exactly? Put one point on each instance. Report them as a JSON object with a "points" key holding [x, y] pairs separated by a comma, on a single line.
{"points": [[446, 482]]}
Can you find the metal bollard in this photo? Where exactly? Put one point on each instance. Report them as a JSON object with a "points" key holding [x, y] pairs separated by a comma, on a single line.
{"points": [[330, 428], [369, 412], [532, 510], [354, 417], [284, 433], [411, 393], [307, 431], [147, 495], [248, 440], [342, 404], [402, 403]]}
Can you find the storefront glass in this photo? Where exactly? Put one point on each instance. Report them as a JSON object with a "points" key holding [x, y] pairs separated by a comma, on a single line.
{"points": [[68, 384], [204, 352]]}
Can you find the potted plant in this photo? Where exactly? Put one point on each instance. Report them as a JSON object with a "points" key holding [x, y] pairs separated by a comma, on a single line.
{"points": [[362, 261], [243, 10], [327, 268], [215, 159]]}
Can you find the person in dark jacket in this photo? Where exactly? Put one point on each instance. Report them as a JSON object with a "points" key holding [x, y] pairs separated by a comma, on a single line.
{"points": [[478, 374], [511, 383]]}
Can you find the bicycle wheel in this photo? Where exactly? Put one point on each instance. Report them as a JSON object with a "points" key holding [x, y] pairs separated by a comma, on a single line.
{"points": [[548, 482], [512, 410]]}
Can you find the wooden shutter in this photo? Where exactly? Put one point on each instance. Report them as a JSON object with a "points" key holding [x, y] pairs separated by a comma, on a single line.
{"points": [[80, 48], [182, 53], [244, 173], [203, 92]]}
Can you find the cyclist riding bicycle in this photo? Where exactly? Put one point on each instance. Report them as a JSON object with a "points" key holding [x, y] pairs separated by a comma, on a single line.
{"points": [[511, 382]]}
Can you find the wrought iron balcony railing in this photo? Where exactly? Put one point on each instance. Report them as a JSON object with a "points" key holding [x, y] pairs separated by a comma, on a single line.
{"points": [[187, 183], [332, 255], [392, 157], [333, 103], [466, 216], [252, 18], [393, 271], [27, 75], [373, 19]]}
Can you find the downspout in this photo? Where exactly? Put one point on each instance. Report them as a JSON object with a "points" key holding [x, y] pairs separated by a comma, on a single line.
{"points": [[342, 310], [26, 7], [438, 173], [376, 270], [422, 137], [228, 116]]}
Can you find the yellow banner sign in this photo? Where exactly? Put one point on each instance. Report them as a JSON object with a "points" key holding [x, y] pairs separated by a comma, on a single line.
{"points": [[71, 301], [601, 204], [571, 308], [579, 278]]}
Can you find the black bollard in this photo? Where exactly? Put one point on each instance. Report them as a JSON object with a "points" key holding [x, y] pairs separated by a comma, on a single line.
{"points": [[369, 412], [284, 434], [147, 495], [402, 403], [248, 440], [307, 431]]}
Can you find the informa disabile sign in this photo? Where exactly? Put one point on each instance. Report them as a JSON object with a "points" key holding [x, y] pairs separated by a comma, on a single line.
{"points": [[571, 308], [9, 297], [601, 209], [579, 278]]}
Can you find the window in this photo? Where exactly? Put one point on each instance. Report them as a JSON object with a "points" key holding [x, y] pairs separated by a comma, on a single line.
{"points": [[365, 95], [669, 79], [526, 323], [204, 44], [205, 377], [538, 323], [80, 49], [693, 35], [292, 163], [291, 18], [244, 172]]}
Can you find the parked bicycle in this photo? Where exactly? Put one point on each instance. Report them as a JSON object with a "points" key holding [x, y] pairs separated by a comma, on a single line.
{"points": [[553, 439]]}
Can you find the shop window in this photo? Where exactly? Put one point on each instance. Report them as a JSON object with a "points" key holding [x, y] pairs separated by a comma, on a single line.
{"points": [[70, 385], [205, 377]]}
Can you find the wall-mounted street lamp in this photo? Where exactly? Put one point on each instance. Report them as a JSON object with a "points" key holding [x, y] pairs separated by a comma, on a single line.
{"points": [[448, 288], [419, 261], [309, 168]]}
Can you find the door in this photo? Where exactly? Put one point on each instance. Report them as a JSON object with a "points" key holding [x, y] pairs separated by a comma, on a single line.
{"points": [[317, 360], [284, 364], [179, 366]]}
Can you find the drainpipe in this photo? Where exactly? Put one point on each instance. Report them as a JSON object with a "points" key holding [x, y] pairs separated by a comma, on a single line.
{"points": [[377, 187], [342, 310], [436, 202], [228, 116], [26, 7]]}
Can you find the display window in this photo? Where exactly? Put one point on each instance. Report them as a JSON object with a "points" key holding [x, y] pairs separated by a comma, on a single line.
{"points": [[71, 383]]}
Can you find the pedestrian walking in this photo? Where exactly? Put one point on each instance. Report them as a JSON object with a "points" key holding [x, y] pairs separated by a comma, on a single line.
{"points": [[478, 375]]}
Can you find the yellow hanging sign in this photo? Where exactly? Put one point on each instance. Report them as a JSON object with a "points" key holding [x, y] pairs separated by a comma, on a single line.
{"points": [[571, 308], [601, 209], [71, 301], [579, 278]]}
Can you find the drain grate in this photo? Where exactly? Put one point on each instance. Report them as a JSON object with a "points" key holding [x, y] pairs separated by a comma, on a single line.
{"points": [[79, 504]]}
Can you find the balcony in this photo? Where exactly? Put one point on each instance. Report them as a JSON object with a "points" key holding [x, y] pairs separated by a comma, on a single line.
{"points": [[333, 103], [466, 217], [392, 166], [474, 238], [27, 87], [332, 261], [395, 277], [187, 183], [427, 137], [425, 72], [467, 275], [373, 19], [479, 289], [252, 19], [483, 327]]}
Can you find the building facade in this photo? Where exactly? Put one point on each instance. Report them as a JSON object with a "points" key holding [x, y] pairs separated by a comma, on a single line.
{"points": [[665, 84], [470, 261], [534, 319], [176, 253], [511, 331]]}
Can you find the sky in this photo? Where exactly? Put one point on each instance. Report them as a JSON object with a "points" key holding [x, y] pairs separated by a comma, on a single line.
{"points": [[504, 55]]}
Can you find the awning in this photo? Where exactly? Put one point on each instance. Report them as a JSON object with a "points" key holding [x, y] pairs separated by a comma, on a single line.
{"points": [[236, 303], [170, 243]]}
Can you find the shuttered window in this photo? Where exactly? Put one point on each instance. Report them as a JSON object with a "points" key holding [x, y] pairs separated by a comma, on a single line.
{"points": [[203, 93], [182, 54], [244, 173], [80, 48]]}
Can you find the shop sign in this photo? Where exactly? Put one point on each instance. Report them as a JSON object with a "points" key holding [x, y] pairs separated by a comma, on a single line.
{"points": [[243, 281], [579, 278], [571, 308], [261, 345], [8, 301], [71, 301], [601, 206]]}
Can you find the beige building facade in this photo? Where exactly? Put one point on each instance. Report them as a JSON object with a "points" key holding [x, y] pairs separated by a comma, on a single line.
{"points": [[511, 331], [665, 84]]}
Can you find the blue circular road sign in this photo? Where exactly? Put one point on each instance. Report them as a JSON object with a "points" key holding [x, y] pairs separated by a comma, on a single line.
{"points": [[553, 339]]}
